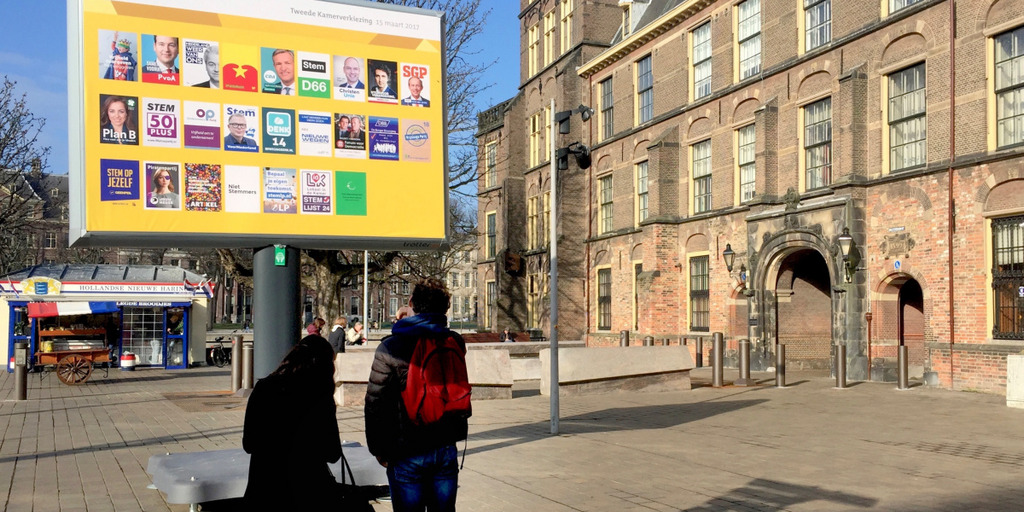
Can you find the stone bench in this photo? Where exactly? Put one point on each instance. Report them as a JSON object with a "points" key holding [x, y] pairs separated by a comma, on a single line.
{"points": [[492, 337], [490, 374], [602, 370]]}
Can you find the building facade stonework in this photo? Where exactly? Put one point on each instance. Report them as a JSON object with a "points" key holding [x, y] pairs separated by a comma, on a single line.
{"points": [[777, 128]]}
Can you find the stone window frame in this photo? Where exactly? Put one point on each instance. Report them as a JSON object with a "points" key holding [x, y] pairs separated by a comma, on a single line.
{"points": [[532, 222], [750, 166], [644, 80], [549, 37], [750, 39], [490, 164], [1015, 88], [641, 197], [701, 52], [699, 290], [490, 237], [533, 41], [893, 6], [607, 108], [1006, 243], [804, 9], [638, 267], [805, 147], [606, 204], [701, 184], [565, 30], [891, 124], [491, 288]]}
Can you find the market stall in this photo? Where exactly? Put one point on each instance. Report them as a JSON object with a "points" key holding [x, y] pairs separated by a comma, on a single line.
{"points": [[150, 311]]}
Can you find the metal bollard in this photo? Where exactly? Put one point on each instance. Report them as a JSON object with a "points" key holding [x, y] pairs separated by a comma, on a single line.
{"points": [[21, 371], [700, 352], [624, 338], [648, 341], [247, 367], [840, 366], [236, 363], [744, 379], [717, 361], [780, 365], [904, 377]]}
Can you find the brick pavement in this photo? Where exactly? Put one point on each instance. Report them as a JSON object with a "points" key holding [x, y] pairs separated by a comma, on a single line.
{"points": [[806, 448]]}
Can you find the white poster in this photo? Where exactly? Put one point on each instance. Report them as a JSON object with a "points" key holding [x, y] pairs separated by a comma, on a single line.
{"points": [[241, 189], [314, 133], [316, 191], [200, 64]]}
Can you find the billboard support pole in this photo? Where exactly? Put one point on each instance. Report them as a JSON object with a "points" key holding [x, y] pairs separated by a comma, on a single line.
{"points": [[276, 316], [553, 261]]}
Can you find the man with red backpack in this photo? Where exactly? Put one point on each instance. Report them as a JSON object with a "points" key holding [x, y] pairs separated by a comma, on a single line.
{"points": [[418, 403]]}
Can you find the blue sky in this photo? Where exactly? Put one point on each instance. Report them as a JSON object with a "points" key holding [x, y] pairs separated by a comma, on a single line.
{"points": [[33, 52]]}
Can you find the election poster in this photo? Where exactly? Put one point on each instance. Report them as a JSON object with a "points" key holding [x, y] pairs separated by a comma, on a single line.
{"points": [[279, 190], [201, 64], [208, 123], [160, 120], [118, 55], [316, 191]]}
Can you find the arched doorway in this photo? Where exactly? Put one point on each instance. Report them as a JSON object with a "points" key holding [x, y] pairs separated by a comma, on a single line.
{"points": [[803, 295], [911, 326]]}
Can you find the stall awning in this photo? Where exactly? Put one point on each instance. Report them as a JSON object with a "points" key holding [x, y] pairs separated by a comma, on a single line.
{"points": [[44, 309]]}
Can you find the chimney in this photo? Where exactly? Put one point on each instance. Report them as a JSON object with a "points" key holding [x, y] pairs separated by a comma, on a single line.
{"points": [[37, 168]]}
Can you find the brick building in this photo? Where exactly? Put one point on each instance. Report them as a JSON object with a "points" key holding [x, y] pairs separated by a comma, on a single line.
{"points": [[773, 127]]}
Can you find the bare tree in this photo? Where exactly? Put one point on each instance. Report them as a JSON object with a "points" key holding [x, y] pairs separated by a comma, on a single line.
{"points": [[20, 206]]}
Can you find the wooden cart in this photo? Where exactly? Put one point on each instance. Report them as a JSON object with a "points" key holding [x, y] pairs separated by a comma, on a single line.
{"points": [[73, 366]]}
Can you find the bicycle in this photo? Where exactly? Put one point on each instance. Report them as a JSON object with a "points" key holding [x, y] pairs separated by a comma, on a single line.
{"points": [[219, 355]]}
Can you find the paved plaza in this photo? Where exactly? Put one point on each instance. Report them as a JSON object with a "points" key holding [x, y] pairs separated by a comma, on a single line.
{"points": [[808, 447]]}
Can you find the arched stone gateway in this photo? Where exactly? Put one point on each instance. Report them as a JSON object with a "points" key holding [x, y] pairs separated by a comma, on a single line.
{"points": [[898, 319]]}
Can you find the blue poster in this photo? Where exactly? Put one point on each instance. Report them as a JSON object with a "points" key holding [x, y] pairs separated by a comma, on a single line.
{"points": [[383, 138], [119, 180]]}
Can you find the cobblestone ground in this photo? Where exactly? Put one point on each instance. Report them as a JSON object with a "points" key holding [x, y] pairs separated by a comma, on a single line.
{"points": [[805, 448]]}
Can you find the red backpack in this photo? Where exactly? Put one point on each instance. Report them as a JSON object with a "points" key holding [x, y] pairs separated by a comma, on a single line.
{"points": [[437, 383]]}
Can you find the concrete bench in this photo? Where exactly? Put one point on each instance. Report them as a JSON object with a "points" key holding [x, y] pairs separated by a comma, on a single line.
{"points": [[490, 374], [601, 370], [200, 477]]}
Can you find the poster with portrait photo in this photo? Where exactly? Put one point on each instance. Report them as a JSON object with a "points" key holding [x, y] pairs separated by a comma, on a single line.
{"points": [[119, 55], [277, 71], [119, 119], [415, 84], [160, 59], [162, 186], [348, 78], [200, 64], [241, 128], [382, 81], [349, 136]]}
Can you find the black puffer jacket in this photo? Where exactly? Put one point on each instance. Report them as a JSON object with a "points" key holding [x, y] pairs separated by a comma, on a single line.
{"points": [[389, 432]]}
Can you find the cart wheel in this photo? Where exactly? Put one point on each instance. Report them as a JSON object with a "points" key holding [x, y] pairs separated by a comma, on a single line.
{"points": [[74, 369]]}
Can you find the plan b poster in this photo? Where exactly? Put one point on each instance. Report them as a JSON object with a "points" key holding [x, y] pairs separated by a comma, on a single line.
{"points": [[238, 124]]}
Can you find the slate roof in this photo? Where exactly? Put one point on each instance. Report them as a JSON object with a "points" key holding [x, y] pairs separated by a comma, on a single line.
{"points": [[107, 273]]}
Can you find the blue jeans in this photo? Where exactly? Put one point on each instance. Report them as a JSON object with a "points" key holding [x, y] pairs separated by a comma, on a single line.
{"points": [[425, 482]]}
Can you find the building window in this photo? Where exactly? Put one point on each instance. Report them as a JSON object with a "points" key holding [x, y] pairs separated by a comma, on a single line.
{"points": [[641, 192], [817, 23], [897, 5], [453, 278], [492, 299], [644, 90], [1008, 277], [746, 142], [605, 185], [702, 61], [748, 33], [535, 297], [818, 143], [465, 279], [538, 148], [54, 192], [51, 240], [549, 37], [455, 307], [393, 307], [175, 262], [532, 223], [908, 122], [637, 269], [566, 30], [1009, 57], [627, 22], [405, 288], [604, 299], [607, 109], [465, 306], [531, 54], [702, 176], [491, 174], [545, 220], [354, 306], [700, 305], [491, 247]]}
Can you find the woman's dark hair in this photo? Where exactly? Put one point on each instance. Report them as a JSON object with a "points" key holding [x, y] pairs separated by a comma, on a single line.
{"points": [[312, 360], [129, 123], [430, 296]]}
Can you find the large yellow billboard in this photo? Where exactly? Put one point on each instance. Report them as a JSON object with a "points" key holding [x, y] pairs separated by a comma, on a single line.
{"points": [[223, 123]]}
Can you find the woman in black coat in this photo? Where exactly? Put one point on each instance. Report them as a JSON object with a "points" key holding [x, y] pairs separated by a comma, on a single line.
{"points": [[291, 432]]}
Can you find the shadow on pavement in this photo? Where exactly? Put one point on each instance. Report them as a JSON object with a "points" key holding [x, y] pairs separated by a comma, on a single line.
{"points": [[174, 439], [611, 420], [761, 494]]}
